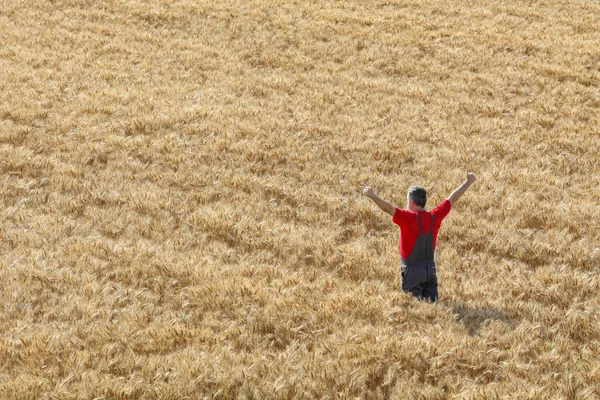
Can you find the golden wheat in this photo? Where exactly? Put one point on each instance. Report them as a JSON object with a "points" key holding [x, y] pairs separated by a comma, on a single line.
{"points": [[181, 210]]}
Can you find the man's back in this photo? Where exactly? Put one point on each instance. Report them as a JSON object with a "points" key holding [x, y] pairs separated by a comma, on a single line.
{"points": [[409, 228]]}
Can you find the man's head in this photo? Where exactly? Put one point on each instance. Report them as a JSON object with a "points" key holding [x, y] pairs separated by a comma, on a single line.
{"points": [[416, 198]]}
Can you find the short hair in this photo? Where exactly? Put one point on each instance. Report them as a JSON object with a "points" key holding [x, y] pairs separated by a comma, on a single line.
{"points": [[418, 195]]}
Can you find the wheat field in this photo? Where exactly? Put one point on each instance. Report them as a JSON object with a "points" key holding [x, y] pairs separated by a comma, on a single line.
{"points": [[181, 201]]}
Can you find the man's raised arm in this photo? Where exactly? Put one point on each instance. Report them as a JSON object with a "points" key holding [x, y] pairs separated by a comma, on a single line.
{"points": [[458, 192], [384, 205]]}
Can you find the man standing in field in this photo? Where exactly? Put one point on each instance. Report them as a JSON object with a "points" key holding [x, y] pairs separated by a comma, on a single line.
{"points": [[418, 236]]}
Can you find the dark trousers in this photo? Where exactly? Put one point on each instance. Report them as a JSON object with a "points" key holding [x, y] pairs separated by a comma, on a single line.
{"points": [[420, 280]]}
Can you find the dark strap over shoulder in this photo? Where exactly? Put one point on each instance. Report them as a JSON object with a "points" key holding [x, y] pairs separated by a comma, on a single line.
{"points": [[421, 228]]}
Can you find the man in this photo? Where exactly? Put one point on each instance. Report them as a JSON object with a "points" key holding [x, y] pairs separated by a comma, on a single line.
{"points": [[418, 236]]}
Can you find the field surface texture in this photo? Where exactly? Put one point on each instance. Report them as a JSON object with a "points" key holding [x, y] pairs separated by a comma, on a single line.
{"points": [[182, 212]]}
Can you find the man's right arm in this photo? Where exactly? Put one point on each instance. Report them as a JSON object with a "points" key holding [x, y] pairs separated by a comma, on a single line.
{"points": [[384, 205], [459, 191]]}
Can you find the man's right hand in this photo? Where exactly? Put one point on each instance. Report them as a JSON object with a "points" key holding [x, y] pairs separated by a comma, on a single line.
{"points": [[471, 177]]}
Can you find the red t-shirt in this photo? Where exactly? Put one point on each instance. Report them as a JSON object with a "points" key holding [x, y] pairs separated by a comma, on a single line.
{"points": [[409, 226]]}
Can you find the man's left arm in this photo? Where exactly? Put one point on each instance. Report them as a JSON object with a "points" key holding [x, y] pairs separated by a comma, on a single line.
{"points": [[384, 205]]}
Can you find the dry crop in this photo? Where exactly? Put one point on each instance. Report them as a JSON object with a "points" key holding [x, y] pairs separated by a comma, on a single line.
{"points": [[182, 213]]}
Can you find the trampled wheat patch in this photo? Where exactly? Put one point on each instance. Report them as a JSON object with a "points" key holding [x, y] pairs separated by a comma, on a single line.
{"points": [[181, 208]]}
